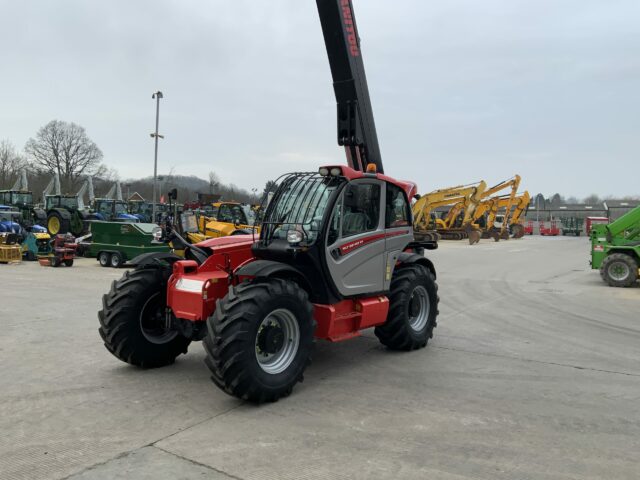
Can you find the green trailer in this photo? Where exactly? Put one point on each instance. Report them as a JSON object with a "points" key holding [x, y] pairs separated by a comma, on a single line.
{"points": [[615, 249], [114, 243], [572, 226]]}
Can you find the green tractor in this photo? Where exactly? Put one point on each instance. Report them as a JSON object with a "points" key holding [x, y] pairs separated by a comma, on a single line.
{"points": [[65, 215], [21, 198], [615, 249]]}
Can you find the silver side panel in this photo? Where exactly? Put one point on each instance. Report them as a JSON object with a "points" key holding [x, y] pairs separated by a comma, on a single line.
{"points": [[359, 268]]}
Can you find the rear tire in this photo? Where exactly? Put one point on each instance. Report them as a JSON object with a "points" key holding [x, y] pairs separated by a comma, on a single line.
{"points": [[55, 262], [413, 309], [132, 320], [260, 339], [619, 270], [116, 260], [68, 262]]}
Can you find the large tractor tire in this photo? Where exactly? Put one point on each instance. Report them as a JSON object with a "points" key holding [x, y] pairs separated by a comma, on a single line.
{"points": [[619, 270], [260, 339], [79, 223], [133, 323], [413, 308], [56, 224]]}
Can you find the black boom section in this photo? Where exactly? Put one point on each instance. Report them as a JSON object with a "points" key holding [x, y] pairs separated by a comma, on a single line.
{"points": [[356, 127]]}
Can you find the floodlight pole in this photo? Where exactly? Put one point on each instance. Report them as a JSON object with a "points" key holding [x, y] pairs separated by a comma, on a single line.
{"points": [[157, 96]]}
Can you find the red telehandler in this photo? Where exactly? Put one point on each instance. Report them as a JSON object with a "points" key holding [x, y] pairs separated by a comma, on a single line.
{"points": [[336, 254]]}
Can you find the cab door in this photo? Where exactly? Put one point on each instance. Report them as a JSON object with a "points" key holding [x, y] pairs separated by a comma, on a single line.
{"points": [[356, 239]]}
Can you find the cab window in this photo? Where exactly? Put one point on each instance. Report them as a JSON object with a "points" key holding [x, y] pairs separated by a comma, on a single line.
{"points": [[398, 213], [224, 215], [357, 212]]}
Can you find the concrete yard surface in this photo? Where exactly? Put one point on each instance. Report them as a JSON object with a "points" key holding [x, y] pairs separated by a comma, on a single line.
{"points": [[533, 373]]}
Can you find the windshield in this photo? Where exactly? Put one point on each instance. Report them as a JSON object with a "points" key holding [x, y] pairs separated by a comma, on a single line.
{"points": [[299, 204], [69, 202], [22, 198], [121, 207], [250, 214], [64, 202]]}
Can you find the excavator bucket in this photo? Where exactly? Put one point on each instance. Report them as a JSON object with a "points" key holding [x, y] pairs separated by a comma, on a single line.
{"points": [[473, 235], [517, 231]]}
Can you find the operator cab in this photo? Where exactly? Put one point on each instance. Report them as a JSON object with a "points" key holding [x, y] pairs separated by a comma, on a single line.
{"points": [[341, 228]]}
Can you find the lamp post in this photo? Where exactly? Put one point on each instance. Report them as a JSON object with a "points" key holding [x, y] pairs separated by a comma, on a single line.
{"points": [[157, 96]]}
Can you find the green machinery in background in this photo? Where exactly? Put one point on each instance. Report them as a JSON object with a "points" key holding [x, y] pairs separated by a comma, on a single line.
{"points": [[21, 198], [572, 226], [615, 249], [114, 243]]}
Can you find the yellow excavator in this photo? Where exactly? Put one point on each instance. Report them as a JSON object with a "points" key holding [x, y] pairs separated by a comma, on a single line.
{"points": [[457, 224], [499, 222]]}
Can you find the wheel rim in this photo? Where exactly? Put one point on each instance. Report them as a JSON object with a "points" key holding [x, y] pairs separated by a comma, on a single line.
{"points": [[619, 271], [54, 225], [419, 307], [277, 341], [103, 259], [115, 260], [153, 321]]}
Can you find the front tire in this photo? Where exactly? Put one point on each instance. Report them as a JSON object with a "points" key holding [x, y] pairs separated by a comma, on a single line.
{"points": [[619, 270], [104, 258], [132, 320], [413, 308], [260, 339]]}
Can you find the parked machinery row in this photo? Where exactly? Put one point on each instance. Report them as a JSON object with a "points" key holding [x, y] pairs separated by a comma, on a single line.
{"points": [[473, 211]]}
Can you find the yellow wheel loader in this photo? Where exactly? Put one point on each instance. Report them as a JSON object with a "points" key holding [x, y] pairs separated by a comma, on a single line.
{"points": [[223, 219]]}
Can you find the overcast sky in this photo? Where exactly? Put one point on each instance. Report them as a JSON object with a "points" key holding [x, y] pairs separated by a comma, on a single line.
{"points": [[461, 89]]}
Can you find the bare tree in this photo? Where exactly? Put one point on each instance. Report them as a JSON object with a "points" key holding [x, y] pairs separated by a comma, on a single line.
{"points": [[64, 148], [593, 199], [214, 181], [10, 163]]}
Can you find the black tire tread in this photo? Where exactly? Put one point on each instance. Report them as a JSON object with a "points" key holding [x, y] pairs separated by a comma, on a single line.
{"points": [[629, 260], [229, 331], [119, 322], [394, 333]]}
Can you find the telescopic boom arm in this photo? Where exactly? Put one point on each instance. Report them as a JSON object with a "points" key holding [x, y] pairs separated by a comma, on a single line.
{"points": [[356, 127]]}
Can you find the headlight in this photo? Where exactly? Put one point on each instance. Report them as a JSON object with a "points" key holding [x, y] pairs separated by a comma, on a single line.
{"points": [[189, 285], [323, 171], [157, 234], [294, 236], [336, 172]]}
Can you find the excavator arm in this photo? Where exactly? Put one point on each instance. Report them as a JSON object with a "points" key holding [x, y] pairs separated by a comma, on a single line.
{"points": [[461, 196], [514, 206]]}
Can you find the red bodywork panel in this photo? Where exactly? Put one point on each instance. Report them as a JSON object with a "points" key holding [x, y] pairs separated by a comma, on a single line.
{"points": [[192, 292], [345, 319]]}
